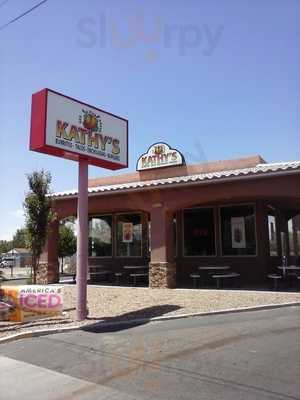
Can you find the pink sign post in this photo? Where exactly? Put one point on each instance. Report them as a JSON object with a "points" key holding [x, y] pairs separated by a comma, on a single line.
{"points": [[67, 128], [82, 242]]}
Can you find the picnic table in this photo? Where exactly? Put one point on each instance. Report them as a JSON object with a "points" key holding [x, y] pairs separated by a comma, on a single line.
{"points": [[95, 271], [214, 267], [210, 270], [136, 267], [138, 272], [289, 271], [227, 275], [138, 275], [101, 273], [288, 268]]}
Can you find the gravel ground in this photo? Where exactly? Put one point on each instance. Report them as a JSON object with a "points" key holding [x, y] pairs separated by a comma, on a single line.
{"points": [[118, 304]]}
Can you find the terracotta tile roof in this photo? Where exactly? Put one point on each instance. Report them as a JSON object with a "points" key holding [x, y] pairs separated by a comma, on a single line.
{"points": [[259, 169]]}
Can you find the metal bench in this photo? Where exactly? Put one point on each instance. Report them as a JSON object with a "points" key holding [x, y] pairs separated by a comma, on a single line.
{"points": [[195, 278], [138, 275], [275, 278], [229, 275]]}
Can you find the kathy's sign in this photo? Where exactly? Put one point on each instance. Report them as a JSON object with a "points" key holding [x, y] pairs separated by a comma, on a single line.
{"points": [[21, 303], [159, 155], [68, 128]]}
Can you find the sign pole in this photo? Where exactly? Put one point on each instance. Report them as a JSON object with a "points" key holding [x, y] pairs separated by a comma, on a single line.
{"points": [[82, 240]]}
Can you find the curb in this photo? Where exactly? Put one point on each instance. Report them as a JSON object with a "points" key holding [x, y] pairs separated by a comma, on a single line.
{"points": [[14, 279], [107, 325]]}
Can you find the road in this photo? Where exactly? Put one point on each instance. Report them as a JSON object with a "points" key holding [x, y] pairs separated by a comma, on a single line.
{"points": [[250, 355]]}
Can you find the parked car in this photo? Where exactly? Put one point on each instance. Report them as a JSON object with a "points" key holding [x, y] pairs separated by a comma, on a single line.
{"points": [[7, 263]]}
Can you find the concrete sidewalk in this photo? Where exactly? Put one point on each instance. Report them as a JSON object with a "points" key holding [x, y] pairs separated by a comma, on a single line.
{"points": [[19, 379]]}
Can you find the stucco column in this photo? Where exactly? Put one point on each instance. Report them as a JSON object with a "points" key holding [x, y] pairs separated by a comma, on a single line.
{"points": [[48, 270], [162, 269]]}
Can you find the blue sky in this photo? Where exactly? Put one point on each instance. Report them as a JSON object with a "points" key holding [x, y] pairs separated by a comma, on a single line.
{"points": [[214, 79]]}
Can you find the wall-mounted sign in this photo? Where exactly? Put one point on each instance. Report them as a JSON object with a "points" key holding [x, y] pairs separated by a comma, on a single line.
{"points": [[127, 232], [159, 155], [26, 302], [68, 128], [238, 233]]}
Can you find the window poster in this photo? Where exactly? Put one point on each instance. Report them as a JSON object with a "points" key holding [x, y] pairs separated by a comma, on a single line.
{"points": [[238, 234], [127, 232]]}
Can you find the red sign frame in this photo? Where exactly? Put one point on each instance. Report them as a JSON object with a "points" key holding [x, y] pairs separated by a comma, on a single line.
{"points": [[38, 132]]}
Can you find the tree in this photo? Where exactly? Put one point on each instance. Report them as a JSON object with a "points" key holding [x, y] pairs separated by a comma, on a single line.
{"points": [[5, 246], [66, 243], [37, 206], [20, 238]]}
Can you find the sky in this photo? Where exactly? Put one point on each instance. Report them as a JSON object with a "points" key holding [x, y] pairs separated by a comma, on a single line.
{"points": [[216, 80]]}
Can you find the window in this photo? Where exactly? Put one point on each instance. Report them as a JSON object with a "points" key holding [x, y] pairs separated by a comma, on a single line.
{"points": [[298, 241], [129, 235], [291, 237], [296, 226], [100, 236], [199, 232], [238, 230], [272, 235], [283, 243]]}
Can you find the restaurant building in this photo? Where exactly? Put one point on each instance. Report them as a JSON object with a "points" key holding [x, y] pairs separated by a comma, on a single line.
{"points": [[176, 217]]}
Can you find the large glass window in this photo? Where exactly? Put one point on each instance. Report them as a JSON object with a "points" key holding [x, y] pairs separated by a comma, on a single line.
{"points": [[296, 222], [100, 236], [283, 243], [298, 241], [272, 235], [199, 232], [238, 230], [291, 237], [129, 235]]}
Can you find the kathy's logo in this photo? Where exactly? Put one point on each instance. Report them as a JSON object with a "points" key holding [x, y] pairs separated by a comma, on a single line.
{"points": [[159, 155], [159, 149], [88, 137], [91, 121]]}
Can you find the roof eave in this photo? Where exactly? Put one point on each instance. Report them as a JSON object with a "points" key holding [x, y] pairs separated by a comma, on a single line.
{"points": [[207, 181]]}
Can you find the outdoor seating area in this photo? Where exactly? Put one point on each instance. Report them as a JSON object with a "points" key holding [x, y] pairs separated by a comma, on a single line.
{"points": [[131, 275], [205, 276], [285, 276], [215, 276]]}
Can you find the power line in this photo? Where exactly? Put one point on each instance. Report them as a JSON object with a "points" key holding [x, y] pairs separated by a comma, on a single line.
{"points": [[21, 15]]}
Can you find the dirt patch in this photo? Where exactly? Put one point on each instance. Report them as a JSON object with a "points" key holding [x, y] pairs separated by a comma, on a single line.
{"points": [[111, 304]]}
